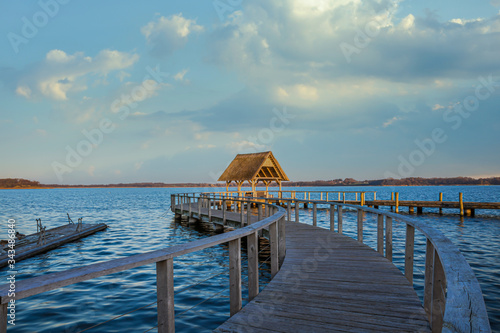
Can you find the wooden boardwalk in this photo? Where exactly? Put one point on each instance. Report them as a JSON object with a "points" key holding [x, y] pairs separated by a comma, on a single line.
{"points": [[331, 283], [328, 283]]}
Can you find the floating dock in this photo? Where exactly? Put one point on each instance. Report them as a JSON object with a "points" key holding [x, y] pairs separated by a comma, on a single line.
{"points": [[31, 245]]}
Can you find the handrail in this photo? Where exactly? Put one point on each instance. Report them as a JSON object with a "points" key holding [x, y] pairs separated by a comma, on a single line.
{"points": [[164, 267], [453, 299]]}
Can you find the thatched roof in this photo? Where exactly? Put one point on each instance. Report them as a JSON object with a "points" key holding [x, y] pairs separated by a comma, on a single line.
{"points": [[256, 166]]}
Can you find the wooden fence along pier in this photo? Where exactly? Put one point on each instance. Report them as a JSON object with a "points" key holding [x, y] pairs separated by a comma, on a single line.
{"points": [[322, 280]]}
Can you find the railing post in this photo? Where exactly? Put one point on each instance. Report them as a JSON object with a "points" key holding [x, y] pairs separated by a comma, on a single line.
{"points": [[273, 240], [249, 213], [409, 252], [253, 265], [339, 218], [209, 209], [380, 234], [242, 212], [438, 295], [429, 279], [297, 211], [235, 276], [224, 211], [189, 203], [281, 241], [397, 203], [182, 204], [388, 238], [200, 201], [461, 202], [361, 217], [441, 200], [260, 211], [172, 202], [315, 214], [165, 295], [332, 217], [288, 210]]}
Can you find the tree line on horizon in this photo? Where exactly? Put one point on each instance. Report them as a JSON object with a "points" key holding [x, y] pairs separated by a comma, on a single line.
{"points": [[7, 183]]}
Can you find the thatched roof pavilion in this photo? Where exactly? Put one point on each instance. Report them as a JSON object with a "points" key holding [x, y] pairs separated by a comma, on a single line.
{"points": [[253, 168]]}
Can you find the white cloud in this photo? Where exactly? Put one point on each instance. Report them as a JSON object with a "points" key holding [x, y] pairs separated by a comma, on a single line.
{"points": [[61, 73], [168, 34], [180, 76]]}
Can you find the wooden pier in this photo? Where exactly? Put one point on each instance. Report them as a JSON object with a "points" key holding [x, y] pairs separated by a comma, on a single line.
{"points": [[34, 244]]}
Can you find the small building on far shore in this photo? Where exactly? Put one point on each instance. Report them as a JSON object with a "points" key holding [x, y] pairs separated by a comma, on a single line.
{"points": [[253, 168]]}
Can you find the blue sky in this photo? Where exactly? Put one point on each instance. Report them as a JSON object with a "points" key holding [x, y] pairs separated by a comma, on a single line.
{"points": [[125, 91]]}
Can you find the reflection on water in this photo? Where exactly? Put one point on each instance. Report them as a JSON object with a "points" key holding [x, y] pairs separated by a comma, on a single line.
{"points": [[136, 225]]}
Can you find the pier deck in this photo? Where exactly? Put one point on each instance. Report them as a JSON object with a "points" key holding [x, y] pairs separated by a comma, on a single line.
{"points": [[328, 282]]}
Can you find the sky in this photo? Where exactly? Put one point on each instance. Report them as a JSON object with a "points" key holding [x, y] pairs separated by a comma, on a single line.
{"points": [[98, 92]]}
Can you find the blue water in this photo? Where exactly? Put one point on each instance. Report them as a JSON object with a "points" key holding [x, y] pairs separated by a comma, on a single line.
{"points": [[139, 220]]}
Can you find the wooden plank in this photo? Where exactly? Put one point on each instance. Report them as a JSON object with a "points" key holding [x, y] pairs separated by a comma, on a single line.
{"points": [[438, 295], [3, 318], [235, 276], [273, 240], [428, 279], [165, 295], [281, 241]]}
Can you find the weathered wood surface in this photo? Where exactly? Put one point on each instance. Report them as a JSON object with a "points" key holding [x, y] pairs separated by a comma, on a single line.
{"points": [[27, 247], [427, 204], [331, 283]]}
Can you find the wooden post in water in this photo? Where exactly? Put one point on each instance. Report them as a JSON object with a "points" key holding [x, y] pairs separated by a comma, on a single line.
{"points": [[380, 234], [441, 200], [339, 196], [392, 199], [461, 202], [165, 295], [397, 202], [360, 225], [362, 198], [343, 196], [409, 251], [253, 265], [339, 218], [326, 196], [235, 276], [388, 238], [374, 196], [332, 218], [315, 214]]}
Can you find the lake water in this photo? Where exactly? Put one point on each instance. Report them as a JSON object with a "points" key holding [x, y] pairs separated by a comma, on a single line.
{"points": [[139, 220]]}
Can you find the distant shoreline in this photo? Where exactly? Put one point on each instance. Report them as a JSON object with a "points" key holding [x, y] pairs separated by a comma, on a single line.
{"points": [[18, 183]]}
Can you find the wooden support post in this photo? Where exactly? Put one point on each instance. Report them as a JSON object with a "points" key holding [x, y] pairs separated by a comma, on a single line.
{"points": [[297, 211], [242, 213], [392, 199], [397, 202], [289, 210], [327, 196], [249, 213], [273, 240], [339, 196], [374, 196], [259, 205], [281, 241], [343, 197], [362, 198], [315, 215], [438, 295], [409, 252], [410, 210], [182, 205], [332, 218], [441, 200], [224, 211], [253, 265], [209, 210], [189, 203], [380, 234], [361, 214], [461, 202], [356, 195], [321, 196], [429, 279], [339, 218], [200, 200], [235, 276], [165, 295], [420, 210], [388, 238]]}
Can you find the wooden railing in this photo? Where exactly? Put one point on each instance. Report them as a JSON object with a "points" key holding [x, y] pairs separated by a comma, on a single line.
{"points": [[164, 265], [453, 299]]}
